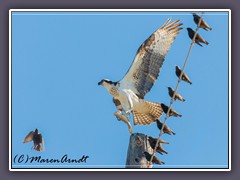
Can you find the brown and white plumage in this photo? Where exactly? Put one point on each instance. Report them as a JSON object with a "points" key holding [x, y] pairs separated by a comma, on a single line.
{"points": [[129, 92], [149, 59]]}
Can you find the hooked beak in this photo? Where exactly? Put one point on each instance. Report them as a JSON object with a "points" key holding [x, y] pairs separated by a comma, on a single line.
{"points": [[100, 83]]}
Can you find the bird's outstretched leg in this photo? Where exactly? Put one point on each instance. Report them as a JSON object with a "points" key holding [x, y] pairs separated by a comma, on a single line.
{"points": [[130, 102]]}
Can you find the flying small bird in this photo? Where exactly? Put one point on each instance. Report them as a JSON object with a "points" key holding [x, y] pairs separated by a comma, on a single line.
{"points": [[185, 78], [172, 112], [177, 95], [142, 74], [198, 38], [203, 23], [166, 129], [155, 160], [37, 140], [152, 141]]}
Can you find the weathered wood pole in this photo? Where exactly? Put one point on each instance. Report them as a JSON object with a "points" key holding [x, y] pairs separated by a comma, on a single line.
{"points": [[137, 145]]}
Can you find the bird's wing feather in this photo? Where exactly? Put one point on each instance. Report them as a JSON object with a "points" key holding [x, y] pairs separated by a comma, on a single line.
{"points": [[29, 137], [149, 59]]}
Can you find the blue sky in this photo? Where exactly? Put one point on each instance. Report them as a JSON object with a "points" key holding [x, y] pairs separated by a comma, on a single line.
{"points": [[59, 57]]}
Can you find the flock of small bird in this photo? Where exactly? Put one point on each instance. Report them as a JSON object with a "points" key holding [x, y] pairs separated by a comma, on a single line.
{"points": [[152, 141]]}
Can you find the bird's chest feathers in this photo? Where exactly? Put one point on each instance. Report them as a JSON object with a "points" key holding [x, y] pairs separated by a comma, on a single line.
{"points": [[113, 91]]}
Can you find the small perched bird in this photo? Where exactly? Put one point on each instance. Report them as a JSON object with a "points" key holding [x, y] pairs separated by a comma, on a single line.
{"points": [[172, 112], [177, 95], [198, 38], [160, 140], [185, 78], [166, 129], [160, 149], [203, 23], [36, 138], [155, 160]]}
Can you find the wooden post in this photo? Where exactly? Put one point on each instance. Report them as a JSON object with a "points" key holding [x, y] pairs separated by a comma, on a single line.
{"points": [[137, 145]]}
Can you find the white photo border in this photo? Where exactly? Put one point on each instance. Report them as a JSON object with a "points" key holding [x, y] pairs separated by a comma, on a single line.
{"points": [[118, 10]]}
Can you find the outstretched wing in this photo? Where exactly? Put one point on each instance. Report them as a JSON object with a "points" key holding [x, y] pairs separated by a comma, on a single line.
{"points": [[149, 59], [29, 137]]}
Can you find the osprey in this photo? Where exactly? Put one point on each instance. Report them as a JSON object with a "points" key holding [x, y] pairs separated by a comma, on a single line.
{"points": [[128, 93]]}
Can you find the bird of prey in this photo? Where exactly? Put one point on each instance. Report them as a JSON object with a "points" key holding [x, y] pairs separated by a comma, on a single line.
{"points": [[152, 141], [142, 74], [177, 95], [155, 160], [166, 129], [185, 78], [37, 140], [172, 112], [199, 39], [203, 23]]}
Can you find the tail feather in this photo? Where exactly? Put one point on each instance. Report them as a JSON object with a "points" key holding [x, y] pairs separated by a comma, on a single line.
{"points": [[38, 147], [142, 119], [198, 43], [152, 111]]}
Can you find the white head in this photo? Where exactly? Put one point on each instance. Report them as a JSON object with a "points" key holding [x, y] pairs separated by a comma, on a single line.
{"points": [[107, 83]]}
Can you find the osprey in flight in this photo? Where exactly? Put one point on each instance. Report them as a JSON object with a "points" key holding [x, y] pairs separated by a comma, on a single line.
{"points": [[128, 93]]}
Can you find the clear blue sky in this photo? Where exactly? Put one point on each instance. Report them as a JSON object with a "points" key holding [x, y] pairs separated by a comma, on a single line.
{"points": [[59, 57]]}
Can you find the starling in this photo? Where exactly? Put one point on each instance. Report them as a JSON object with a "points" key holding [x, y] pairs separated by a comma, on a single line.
{"points": [[203, 23], [166, 129], [155, 160], [198, 38], [172, 112], [160, 140], [160, 149], [184, 75], [36, 138], [177, 95]]}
